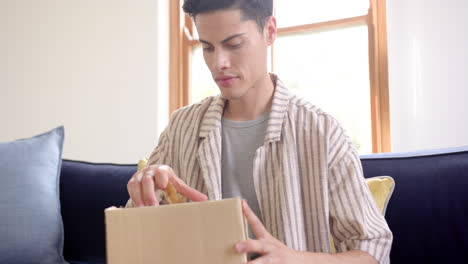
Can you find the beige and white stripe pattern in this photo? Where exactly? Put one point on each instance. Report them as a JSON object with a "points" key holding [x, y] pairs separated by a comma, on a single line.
{"points": [[307, 175]]}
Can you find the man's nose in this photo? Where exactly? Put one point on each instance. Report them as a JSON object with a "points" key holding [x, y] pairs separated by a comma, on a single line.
{"points": [[222, 60]]}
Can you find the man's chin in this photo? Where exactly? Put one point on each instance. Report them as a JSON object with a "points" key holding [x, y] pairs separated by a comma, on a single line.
{"points": [[229, 95]]}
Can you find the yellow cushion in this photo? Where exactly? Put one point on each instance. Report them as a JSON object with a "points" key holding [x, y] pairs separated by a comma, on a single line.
{"points": [[142, 164], [381, 188]]}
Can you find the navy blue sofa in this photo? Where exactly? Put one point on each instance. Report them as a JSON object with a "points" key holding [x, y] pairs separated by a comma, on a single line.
{"points": [[428, 212]]}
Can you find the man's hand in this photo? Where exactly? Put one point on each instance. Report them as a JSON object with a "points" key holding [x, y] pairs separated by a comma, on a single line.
{"points": [[271, 249], [144, 185]]}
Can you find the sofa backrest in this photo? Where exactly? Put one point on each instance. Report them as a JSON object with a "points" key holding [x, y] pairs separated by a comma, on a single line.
{"points": [[86, 189], [428, 211]]}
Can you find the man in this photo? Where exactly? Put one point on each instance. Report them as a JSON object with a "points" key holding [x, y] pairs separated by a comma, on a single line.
{"points": [[292, 162]]}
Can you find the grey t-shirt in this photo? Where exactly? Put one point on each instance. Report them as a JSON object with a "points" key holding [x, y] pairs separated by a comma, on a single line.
{"points": [[240, 140]]}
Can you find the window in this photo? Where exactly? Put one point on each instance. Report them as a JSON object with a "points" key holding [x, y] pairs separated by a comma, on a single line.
{"points": [[333, 53], [301, 12], [331, 70]]}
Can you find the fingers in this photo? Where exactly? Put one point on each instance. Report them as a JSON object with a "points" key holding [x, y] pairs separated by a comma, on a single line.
{"points": [[188, 192], [257, 227], [165, 174], [252, 246], [144, 184], [264, 242], [148, 187], [133, 188], [162, 174], [141, 188]]}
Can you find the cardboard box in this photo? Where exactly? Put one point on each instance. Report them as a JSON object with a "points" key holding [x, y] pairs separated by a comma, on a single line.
{"points": [[195, 233]]}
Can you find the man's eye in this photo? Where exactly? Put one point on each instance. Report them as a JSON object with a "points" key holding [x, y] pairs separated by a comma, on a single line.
{"points": [[208, 48], [235, 45]]}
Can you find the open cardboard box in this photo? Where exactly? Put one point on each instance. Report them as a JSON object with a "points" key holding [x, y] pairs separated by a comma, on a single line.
{"points": [[196, 233]]}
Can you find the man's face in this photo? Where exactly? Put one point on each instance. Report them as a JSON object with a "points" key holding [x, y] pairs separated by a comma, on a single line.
{"points": [[234, 49]]}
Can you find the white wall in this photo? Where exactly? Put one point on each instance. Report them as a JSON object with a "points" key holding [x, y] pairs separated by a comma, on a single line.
{"points": [[96, 67], [428, 70]]}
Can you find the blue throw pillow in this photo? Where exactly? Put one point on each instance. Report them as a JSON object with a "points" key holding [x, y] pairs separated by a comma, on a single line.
{"points": [[31, 228]]}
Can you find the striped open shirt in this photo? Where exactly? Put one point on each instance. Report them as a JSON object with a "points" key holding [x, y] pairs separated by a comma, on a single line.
{"points": [[307, 175]]}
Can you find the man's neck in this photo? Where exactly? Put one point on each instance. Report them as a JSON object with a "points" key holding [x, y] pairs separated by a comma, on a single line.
{"points": [[256, 102]]}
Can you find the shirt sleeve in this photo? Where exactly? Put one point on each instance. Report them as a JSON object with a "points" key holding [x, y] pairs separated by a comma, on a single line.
{"points": [[355, 220], [160, 154]]}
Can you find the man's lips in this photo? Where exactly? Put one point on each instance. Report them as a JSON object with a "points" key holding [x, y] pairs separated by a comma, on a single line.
{"points": [[226, 80], [223, 78]]}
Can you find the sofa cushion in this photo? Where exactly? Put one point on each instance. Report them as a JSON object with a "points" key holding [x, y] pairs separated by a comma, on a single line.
{"points": [[86, 190], [31, 229], [381, 188], [428, 211]]}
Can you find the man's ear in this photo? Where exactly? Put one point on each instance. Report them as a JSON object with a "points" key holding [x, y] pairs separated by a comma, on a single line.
{"points": [[270, 30]]}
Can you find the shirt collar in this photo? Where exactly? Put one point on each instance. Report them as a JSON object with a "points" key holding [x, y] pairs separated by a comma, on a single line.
{"points": [[281, 96]]}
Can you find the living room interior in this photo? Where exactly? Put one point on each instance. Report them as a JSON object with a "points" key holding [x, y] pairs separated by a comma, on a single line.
{"points": [[112, 73]]}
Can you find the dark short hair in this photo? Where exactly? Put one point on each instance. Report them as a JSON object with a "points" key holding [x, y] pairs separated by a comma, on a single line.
{"points": [[257, 10]]}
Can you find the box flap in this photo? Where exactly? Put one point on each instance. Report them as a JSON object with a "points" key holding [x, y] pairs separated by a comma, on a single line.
{"points": [[197, 232]]}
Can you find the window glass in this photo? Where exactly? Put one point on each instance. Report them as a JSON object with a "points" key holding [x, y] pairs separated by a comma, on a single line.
{"points": [[331, 70], [297, 12]]}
